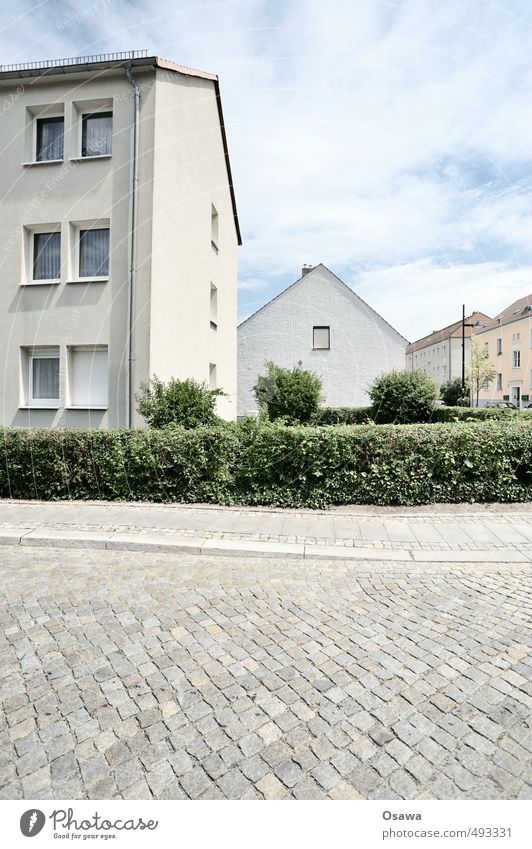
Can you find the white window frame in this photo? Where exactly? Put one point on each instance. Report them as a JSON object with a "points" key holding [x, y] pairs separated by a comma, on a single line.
{"points": [[33, 113], [81, 109], [45, 117], [516, 356], [30, 231], [72, 350], [43, 354], [75, 253], [499, 346]]}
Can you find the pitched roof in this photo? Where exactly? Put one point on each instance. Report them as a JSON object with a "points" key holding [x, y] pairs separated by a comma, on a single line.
{"points": [[303, 276], [519, 309], [113, 61], [450, 331]]}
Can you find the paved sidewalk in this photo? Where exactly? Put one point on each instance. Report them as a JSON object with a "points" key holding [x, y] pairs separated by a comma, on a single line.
{"points": [[501, 533], [169, 676]]}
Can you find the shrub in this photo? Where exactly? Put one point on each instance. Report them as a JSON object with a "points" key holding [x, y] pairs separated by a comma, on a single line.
{"points": [[269, 463], [403, 397], [451, 393], [342, 415], [178, 402], [293, 394], [479, 414]]}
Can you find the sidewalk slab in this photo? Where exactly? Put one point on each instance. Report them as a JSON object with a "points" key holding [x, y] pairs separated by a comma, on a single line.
{"points": [[338, 552], [154, 542], [471, 556], [66, 539], [9, 536], [245, 548]]}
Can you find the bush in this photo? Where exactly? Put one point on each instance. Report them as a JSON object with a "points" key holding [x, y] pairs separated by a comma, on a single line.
{"points": [[403, 397], [254, 463], [178, 402], [292, 394], [451, 393], [342, 415]]}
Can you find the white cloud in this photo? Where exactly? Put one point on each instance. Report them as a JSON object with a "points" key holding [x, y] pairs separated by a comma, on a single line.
{"points": [[390, 141]]}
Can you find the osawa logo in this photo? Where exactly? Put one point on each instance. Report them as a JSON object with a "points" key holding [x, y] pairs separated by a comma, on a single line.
{"points": [[32, 822]]}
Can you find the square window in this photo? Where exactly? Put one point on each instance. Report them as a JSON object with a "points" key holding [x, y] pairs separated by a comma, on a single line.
{"points": [[96, 134], [88, 380], [321, 338], [43, 377], [94, 252], [46, 261], [50, 139]]}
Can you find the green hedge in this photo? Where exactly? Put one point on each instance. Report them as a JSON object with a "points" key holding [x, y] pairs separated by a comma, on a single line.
{"points": [[342, 415], [250, 463], [462, 414]]}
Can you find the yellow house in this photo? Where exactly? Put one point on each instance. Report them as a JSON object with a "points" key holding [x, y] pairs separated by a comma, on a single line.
{"points": [[508, 345]]}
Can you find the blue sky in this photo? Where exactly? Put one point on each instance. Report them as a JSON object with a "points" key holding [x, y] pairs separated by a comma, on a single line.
{"points": [[391, 141]]}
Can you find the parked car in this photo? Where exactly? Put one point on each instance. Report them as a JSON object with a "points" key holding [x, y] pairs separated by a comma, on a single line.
{"points": [[500, 404]]}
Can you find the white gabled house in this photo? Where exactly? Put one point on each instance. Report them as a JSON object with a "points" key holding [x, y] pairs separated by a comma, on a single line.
{"points": [[322, 323]]}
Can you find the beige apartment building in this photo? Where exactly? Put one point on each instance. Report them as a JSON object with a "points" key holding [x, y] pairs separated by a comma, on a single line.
{"points": [[118, 238], [507, 341], [439, 355]]}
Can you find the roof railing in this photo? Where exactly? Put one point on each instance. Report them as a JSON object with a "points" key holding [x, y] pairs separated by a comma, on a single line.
{"points": [[76, 60]]}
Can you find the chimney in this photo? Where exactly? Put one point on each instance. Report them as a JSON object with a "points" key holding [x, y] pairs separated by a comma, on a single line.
{"points": [[305, 270]]}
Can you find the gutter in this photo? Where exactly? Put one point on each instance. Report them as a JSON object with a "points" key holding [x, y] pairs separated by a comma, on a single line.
{"points": [[133, 259]]}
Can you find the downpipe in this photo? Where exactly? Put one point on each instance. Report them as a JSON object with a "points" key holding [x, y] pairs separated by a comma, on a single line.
{"points": [[133, 258]]}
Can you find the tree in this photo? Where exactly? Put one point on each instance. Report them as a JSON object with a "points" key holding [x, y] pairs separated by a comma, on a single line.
{"points": [[451, 392], [294, 394], [183, 402], [403, 397], [481, 371]]}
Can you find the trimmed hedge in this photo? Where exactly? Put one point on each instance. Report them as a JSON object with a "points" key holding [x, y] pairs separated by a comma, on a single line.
{"points": [[462, 414], [251, 463], [342, 415]]}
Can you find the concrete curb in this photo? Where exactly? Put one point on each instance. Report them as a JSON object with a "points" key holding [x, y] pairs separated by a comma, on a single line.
{"points": [[158, 543]]}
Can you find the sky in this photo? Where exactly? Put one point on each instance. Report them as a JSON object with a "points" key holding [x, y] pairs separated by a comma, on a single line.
{"points": [[391, 141]]}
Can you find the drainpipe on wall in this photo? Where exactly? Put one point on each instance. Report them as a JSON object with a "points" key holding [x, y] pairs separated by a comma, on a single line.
{"points": [[133, 260]]}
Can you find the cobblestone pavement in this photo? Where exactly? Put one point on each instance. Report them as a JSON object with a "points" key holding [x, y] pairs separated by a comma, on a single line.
{"points": [[127, 675]]}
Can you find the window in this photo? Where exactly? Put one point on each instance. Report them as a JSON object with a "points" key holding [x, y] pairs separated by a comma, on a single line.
{"points": [[212, 376], [499, 347], [94, 252], [214, 227], [96, 133], [43, 377], [486, 349], [499, 381], [88, 382], [321, 338], [50, 139], [517, 359], [214, 307], [46, 256]]}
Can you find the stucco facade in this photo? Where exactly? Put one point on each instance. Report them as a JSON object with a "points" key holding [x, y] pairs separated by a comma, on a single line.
{"points": [[507, 343], [439, 355], [184, 182], [293, 327]]}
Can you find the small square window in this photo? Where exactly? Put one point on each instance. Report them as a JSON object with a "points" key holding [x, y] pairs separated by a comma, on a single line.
{"points": [[321, 340], [94, 252], [46, 260], [50, 139], [96, 134]]}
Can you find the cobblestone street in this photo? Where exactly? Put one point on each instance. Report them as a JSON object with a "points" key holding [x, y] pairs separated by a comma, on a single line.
{"points": [[137, 675]]}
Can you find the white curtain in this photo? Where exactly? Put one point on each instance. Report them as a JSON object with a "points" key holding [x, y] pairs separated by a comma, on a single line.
{"points": [[94, 253], [97, 130], [45, 378], [46, 256], [50, 137]]}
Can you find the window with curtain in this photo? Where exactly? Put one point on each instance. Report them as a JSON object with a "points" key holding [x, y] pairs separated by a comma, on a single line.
{"points": [[321, 338], [96, 132], [46, 256], [50, 139], [88, 377], [94, 253], [44, 377]]}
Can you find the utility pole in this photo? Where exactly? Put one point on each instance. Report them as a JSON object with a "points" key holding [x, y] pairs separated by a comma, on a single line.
{"points": [[464, 325]]}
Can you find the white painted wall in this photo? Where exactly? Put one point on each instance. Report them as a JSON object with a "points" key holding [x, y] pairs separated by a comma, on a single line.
{"points": [[363, 345]]}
